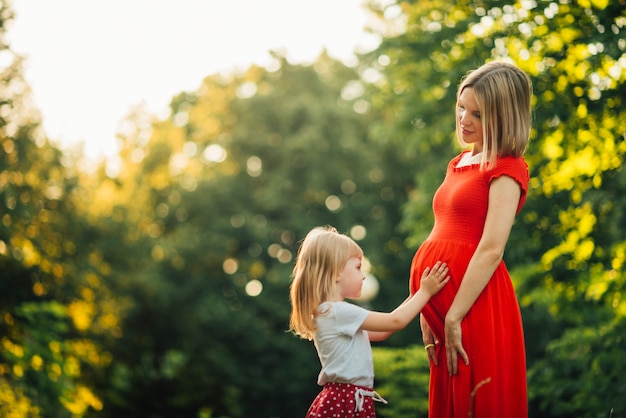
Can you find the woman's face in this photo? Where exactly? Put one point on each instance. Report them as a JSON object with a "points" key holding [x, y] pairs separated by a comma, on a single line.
{"points": [[468, 120]]}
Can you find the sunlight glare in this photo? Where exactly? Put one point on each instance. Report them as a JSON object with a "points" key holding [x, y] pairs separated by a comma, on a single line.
{"points": [[254, 288], [214, 153]]}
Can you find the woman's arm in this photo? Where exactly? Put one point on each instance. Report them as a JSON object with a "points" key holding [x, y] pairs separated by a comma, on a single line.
{"points": [[504, 195]]}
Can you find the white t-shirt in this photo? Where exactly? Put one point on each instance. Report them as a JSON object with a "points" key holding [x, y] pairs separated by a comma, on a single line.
{"points": [[343, 348]]}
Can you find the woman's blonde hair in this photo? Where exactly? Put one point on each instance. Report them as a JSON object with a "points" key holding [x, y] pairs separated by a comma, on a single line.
{"points": [[503, 94], [321, 257]]}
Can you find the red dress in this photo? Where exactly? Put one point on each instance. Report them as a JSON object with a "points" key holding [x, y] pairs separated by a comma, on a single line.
{"points": [[492, 329]]}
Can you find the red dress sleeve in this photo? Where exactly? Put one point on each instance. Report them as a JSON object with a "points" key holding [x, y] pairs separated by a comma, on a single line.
{"points": [[517, 169]]}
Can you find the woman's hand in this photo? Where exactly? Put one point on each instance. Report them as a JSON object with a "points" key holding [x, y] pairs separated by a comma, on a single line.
{"points": [[454, 345], [429, 340]]}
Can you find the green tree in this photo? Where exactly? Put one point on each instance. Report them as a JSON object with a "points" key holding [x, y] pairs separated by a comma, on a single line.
{"points": [[51, 293], [216, 198]]}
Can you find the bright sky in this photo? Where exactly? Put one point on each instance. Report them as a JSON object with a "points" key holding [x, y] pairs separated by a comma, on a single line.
{"points": [[89, 61]]}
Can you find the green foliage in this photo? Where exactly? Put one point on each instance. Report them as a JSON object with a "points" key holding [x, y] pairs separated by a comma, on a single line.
{"points": [[402, 379], [580, 374], [45, 364], [50, 316]]}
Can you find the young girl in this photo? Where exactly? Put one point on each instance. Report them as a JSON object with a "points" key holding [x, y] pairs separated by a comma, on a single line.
{"points": [[327, 271]]}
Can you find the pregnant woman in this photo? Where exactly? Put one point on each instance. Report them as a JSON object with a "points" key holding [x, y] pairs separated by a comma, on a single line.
{"points": [[472, 329]]}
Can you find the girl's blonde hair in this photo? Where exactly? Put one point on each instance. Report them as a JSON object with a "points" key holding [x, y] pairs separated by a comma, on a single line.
{"points": [[322, 256], [503, 93]]}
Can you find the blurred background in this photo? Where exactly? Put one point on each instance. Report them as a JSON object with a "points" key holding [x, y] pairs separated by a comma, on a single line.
{"points": [[151, 279]]}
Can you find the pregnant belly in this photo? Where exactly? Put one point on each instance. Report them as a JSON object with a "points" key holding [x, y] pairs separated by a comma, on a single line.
{"points": [[456, 254]]}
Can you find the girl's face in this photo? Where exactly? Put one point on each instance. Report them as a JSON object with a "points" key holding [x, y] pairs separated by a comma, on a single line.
{"points": [[350, 280], [468, 119]]}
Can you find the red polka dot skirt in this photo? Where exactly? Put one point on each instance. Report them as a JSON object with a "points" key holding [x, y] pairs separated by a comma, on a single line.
{"points": [[343, 400]]}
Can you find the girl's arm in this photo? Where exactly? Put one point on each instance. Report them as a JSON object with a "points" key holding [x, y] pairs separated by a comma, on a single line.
{"points": [[383, 335], [504, 195], [432, 281]]}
